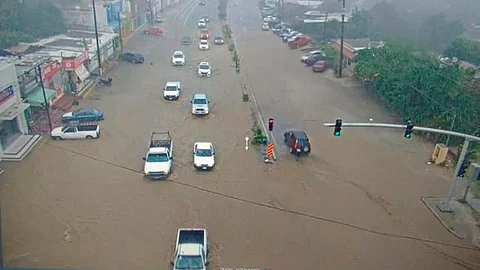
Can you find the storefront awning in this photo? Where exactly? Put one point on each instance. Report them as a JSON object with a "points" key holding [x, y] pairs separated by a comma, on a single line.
{"points": [[82, 72], [35, 98], [12, 112]]}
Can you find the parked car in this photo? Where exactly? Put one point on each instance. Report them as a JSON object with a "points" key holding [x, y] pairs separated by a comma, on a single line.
{"points": [[204, 69], [265, 27], [203, 45], [219, 40], [202, 23], [185, 40], [178, 58], [159, 157], [132, 57], [171, 90], [320, 66], [299, 42], [203, 156], [76, 130], [83, 114], [312, 59], [297, 142], [200, 104], [153, 31], [292, 37], [303, 58], [204, 34]]}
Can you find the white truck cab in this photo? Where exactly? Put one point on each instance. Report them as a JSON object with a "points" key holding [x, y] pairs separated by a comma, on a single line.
{"points": [[191, 250], [159, 157], [203, 156], [171, 90], [76, 130]]}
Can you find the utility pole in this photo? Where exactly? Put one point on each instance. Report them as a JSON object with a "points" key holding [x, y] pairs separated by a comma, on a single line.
{"points": [[341, 40], [151, 12], [96, 37], [444, 206], [120, 31], [325, 29], [39, 72]]}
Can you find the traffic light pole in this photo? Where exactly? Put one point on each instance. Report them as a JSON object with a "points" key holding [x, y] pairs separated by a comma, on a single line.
{"points": [[444, 206]]}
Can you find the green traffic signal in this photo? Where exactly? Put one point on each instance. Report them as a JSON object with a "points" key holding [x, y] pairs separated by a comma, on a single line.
{"points": [[408, 130], [336, 133], [338, 127]]}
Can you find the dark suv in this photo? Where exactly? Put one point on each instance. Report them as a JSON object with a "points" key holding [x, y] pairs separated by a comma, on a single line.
{"points": [[297, 142]]}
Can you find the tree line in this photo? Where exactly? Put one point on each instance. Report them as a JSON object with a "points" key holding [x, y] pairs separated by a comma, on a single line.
{"points": [[28, 20]]}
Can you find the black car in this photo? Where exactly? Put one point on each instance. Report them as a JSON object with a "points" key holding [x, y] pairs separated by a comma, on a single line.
{"points": [[186, 40], [314, 58], [132, 57], [297, 142]]}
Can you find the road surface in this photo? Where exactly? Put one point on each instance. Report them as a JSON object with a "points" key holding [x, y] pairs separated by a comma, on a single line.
{"points": [[84, 204]]}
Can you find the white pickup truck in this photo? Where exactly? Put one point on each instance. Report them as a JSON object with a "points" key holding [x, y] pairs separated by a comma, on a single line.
{"points": [[158, 161], [76, 130], [191, 250], [171, 91]]}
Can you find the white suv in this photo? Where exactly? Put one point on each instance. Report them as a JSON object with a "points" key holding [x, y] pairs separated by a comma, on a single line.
{"points": [[204, 69], [203, 45], [203, 156], [171, 91], [178, 58], [202, 23], [200, 104]]}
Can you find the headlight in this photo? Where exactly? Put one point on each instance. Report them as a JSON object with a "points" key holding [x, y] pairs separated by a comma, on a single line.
{"points": [[305, 149]]}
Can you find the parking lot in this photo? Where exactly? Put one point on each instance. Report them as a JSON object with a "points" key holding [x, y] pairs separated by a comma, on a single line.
{"points": [[85, 204]]}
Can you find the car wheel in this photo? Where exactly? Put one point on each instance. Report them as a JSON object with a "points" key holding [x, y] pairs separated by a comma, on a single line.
{"points": [[57, 138], [89, 137]]}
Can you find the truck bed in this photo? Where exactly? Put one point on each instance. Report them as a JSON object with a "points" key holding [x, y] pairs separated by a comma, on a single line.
{"points": [[191, 236], [161, 139]]}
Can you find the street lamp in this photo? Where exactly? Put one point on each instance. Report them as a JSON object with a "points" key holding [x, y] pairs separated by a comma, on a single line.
{"points": [[96, 37]]}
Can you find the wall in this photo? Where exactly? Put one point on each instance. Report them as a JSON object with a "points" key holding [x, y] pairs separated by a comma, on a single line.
{"points": [[8, 76]]}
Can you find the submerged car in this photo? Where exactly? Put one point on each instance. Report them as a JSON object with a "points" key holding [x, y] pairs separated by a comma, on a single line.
{"points": [[83, 114], [320, 66], [200, 104], [297, 142], [132, 57], [204, 69], [219, 40], [311, 53], [314, 58], [178, 58], [203, 45], [203, 156], [185, 40]]}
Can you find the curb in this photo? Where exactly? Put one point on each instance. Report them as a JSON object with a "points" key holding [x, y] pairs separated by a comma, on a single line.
{"points": [[87, 90], [440, 219]]}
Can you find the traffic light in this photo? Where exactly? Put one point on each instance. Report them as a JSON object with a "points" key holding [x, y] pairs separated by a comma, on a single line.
{"points": [[463, 170], [338, 127], [270, 124], [408, 130]]}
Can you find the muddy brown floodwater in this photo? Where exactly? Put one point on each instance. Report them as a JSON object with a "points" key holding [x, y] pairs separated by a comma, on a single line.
{"points": [[349, 205]]}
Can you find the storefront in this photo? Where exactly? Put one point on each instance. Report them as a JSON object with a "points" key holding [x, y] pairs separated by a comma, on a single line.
{"points": [[12, 117], [76, 73], [53, 79]]}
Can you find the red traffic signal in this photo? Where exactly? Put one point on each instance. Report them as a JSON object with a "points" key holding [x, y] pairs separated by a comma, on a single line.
{"points": [[270, 124]]}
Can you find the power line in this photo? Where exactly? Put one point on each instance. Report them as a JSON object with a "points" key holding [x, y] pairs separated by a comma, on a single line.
{"points": [[298, 213]]}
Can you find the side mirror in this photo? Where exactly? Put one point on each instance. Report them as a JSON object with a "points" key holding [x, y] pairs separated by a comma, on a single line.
{"points": [[208, 102], [172, 263], [171, 158], [144, 158], [207, 263]]}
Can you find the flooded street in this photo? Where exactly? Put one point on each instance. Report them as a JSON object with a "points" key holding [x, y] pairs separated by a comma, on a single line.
{"points": [[354, 203]]}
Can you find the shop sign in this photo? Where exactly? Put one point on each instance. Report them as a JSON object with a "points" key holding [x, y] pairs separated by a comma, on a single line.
{"points": [[72, 63], [50, 69], [6, 94]]}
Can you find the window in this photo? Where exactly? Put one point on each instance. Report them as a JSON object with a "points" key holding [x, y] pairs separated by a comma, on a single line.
{"points": [[200, 101], [204, 152], [157, 157], [69, 130], [189, 262]]}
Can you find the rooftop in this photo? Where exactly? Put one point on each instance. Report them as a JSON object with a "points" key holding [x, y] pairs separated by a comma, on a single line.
{"points": [[72, 43]]}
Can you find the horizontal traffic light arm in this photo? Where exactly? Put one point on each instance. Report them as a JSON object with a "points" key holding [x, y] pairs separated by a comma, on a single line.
{"points": [[415, 128]]}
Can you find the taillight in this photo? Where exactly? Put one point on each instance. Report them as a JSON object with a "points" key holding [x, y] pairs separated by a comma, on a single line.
{"points": [[309, 146], [296, 144]]}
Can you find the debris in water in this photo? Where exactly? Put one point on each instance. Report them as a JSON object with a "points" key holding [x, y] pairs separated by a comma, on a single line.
{"points": [[67, 236]]}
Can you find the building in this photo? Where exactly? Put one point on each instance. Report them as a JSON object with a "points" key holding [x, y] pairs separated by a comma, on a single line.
{"points": [[352, 46], [15, 141]]}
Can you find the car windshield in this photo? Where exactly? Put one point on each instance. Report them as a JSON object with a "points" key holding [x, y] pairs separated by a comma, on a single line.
{"points": [[303, 142], [218, 38], [200, 101], [204, 152], [189, 262], [204, 67], [203, 42], [157, 157], [171, 88], [83, 111], [178, 56], [186, 38]]}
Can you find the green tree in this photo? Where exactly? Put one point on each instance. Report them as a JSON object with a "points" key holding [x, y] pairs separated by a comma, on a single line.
{"points": [[359, 25], [389, 25], [464, 49]]}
